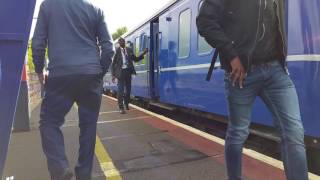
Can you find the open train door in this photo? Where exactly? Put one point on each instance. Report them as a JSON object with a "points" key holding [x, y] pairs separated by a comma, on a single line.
{"points": [[154, 49], [15, 23]]}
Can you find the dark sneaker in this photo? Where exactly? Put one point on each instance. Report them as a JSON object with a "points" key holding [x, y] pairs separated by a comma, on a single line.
{"points": [[67, 175], [83, 178], [127, 107], [122, 111]]}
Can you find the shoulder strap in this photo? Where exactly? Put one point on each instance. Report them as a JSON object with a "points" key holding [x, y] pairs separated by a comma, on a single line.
{"points": [[213, 62]]}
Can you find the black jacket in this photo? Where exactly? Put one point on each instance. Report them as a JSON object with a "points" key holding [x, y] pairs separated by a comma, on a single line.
{"points": [[117, 62], [231, 27]]}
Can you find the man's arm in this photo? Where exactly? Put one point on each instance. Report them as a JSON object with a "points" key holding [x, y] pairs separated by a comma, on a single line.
{"points": [[209, 26], [139, 58], [113, 65], [39, 41], [105, 42]]}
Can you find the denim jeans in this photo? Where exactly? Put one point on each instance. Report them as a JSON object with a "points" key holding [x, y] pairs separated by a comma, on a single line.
{"points": [[272, 83], [124, 88], [60, 95]]}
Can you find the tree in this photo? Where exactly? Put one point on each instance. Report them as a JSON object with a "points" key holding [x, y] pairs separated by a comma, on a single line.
{"points": [[30, 63], [30, 59], [120, 31]]}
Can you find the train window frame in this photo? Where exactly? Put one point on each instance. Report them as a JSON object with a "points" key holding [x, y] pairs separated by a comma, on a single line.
{"points": [[201, 39], [187, 10]]}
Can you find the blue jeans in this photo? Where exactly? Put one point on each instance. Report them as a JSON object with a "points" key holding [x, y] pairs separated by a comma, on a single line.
{"points": [[60, 95], [274, 86]]}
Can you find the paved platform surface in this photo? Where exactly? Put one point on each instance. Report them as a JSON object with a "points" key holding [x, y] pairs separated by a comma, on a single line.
{"points": [[138, 145]]}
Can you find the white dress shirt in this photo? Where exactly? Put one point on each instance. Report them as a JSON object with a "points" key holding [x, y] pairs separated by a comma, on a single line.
{"points": [[124, 58]]}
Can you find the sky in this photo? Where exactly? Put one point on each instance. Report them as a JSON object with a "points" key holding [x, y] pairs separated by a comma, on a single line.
{"points": [[129, 13]]}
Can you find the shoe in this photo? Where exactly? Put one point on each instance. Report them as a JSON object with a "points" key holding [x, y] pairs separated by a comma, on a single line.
{"points": [[83, 178], [127, 107], [122, 111], [67, 175]]}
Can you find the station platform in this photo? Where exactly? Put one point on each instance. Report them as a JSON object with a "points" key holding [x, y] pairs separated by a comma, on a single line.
{"points": [[138, 145]]}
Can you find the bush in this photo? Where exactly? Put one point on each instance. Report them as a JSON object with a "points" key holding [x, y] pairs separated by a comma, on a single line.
{"points": [[29, 61]]}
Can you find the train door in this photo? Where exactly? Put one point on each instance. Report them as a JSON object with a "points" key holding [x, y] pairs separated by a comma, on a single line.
{"points": [[154, 59], [146, 44]]}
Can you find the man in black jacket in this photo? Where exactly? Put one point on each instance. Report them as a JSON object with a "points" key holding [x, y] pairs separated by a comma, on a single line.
{"points": [[122, 69], [249, 36]]}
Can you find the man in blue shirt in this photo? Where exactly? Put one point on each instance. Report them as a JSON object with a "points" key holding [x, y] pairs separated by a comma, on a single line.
{"points": [[80, 51]]}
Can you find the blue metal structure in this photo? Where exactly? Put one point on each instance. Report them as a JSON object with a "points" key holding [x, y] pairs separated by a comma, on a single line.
{"points": [[181, 80], [15, 19]]}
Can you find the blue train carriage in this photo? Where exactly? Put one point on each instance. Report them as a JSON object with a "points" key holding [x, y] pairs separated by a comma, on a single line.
{"points": [[175, 69]]}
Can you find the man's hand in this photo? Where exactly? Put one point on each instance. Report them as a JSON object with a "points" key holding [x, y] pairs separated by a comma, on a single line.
{"points": [[41, 78], [238, 73], [113, 79], [145, 51]]}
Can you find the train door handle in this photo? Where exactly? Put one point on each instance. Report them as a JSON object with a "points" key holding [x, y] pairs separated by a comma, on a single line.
{"points": [[160, 35], [159, 69]]}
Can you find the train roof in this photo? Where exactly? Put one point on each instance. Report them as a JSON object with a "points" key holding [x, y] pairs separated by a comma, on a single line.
{"points": [[151, 18]]}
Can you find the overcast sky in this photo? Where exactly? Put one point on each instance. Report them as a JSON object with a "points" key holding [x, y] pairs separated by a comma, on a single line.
{"points": [[119, 13]]}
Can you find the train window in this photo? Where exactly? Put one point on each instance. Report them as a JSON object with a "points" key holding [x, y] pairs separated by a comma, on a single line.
{"points": [[184, 33], [137, 48], [144, 45], [203, 46], [145, 39]]}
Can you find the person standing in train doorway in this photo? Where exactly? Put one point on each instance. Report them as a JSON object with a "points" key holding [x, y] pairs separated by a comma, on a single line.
{"points": [[122, 69], [74, 31], [250, 38]]}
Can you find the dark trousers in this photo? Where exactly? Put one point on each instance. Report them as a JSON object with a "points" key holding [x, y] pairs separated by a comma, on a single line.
{"points": [[60, 95], [124, 88]]}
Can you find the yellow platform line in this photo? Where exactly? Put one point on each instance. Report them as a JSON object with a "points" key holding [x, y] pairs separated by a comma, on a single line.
{"points": [[106, 164]]}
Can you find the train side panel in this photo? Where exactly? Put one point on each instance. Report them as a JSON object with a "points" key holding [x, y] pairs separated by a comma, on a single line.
{"points": [[182, 80], [184, 62]]}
